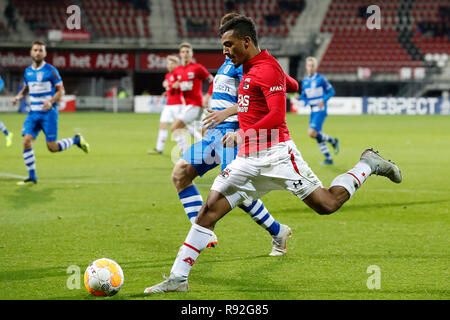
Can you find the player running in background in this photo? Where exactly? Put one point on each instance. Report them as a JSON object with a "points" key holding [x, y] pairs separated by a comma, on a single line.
{"points": [[267, 159], [316, 90], [45, 87], [206, 154], [190, 76], [9, 135], [174, 105]]}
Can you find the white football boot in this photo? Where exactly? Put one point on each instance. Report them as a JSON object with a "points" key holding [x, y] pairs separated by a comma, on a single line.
{"points": [[381, 167], [170, 284], [279, 241]]}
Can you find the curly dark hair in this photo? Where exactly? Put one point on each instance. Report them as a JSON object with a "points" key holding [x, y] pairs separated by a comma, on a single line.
{"points": [[242, 26]]}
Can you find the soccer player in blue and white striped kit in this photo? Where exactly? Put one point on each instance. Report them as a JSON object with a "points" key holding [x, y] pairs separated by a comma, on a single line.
{"points": [[45, 88], [316, 90]]}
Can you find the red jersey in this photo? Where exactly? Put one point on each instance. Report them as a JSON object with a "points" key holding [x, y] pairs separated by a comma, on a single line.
{"points": [[174, 96], [262, 104], [191, 77]]}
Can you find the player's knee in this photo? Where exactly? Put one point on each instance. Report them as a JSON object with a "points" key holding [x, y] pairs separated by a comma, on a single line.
{"points": [[312, 133], [177, 125], [181, 176], [27, 142], [52, 147]]}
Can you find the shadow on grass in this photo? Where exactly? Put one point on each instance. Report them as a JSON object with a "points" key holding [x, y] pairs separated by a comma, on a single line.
{"points": [[31, 195], [302, 208], [28, 274], [350, 206]]}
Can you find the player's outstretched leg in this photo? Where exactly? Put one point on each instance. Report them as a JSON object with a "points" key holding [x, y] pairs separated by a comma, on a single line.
{"points": [[183, 175], [216, 207], [30, 163], [279, 232], [64, 144], [29, 159], [342, 188]]}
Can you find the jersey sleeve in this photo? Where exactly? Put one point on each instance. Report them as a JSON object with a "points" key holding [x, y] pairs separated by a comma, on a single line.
{"points": [[202, 73], [239, 73], [25, 79], [55, 77], [291, 84], [303, 96], [328, 89], [273, 89], [2, 84]]}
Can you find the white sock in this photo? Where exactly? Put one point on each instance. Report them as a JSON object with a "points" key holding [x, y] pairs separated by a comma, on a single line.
{"points": [[354, 178], [196, 240], [162, 138], [195, 130], [181, 142]]}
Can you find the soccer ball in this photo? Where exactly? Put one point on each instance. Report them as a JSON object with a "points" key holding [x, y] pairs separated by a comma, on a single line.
{"points": [[103, 277]]}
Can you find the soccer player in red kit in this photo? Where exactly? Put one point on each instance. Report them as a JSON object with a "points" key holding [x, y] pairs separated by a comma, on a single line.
{"points": [[268, 159], [190, 77], [174, 104]]}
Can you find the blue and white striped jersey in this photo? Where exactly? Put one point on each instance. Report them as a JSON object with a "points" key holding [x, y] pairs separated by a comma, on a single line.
{"points": [[315, 89], [41, 84], [225, 88]]}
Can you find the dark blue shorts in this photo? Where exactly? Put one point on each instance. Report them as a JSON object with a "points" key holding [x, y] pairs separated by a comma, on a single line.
{"points": [[209, 152], [317, 119], [46, 121]]}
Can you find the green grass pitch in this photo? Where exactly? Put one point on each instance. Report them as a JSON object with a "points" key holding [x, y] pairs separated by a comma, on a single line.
{"points": [[118, 202]]}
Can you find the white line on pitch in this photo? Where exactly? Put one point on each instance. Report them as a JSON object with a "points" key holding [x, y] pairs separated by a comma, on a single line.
{"points": [[15, 176], [10, 175]]}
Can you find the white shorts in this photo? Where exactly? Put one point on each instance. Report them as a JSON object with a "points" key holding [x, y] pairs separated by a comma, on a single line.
{"points": [[189, 114], [280, 167], [170, 113]]}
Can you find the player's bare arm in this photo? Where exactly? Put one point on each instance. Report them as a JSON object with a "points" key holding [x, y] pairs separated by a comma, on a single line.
{"points": [[19, 95], [48, 104]]}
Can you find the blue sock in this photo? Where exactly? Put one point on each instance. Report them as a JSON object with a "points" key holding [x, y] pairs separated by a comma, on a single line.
{"points": [[262, 216], [76, 140], [192, 201], [323, 137], [324, 149], [3, 128], [30, 163]]}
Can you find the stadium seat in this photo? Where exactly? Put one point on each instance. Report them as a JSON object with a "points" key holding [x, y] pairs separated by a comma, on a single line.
{"points": [[203, 10], [377, 48], [42, 17]]}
